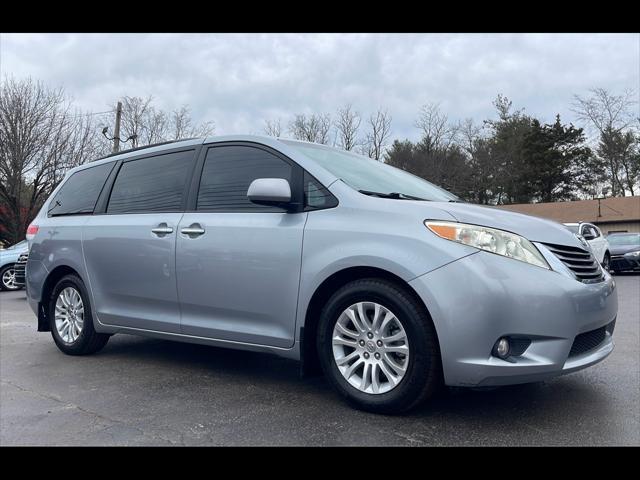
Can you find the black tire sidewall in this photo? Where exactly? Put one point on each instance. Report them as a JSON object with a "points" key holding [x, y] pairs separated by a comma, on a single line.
{"points": [[83, 340], [419, 336]]}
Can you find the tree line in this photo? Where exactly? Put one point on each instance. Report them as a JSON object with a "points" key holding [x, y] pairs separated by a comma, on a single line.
{"points": [[517, 158], [511, 158]]}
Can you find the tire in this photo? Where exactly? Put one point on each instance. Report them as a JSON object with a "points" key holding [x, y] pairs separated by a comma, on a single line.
{"points": [[606, 262], [5, 281], [85, 342], [423, 371]]}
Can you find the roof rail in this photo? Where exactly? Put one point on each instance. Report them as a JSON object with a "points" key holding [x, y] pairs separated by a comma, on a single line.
{"points": [[145, 146]]}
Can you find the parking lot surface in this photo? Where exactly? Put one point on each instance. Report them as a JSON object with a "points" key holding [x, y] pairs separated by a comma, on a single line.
{"points": [[141, 391]]}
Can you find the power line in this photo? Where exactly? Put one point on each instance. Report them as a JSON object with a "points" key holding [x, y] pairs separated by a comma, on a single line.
{"points": [[93, 113]]}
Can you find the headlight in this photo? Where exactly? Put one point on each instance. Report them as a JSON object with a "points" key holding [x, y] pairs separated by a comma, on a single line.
{"points": [[495, 241], [633, 254]]}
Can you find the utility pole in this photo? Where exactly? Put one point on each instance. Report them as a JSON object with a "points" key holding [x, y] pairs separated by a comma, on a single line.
{"points": [[599, 214], [116, 137]]}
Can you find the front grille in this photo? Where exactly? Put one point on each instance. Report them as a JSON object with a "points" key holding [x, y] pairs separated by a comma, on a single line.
{"points": [[20, 270], [589, 340], [580, 261]]}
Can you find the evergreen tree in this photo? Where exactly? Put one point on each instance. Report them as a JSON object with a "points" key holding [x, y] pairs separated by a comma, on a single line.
{"points": [[507, 149], [551, 153]]}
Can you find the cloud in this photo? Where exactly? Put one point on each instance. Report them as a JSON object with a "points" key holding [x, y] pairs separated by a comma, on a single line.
{"points": [[239, 80]]}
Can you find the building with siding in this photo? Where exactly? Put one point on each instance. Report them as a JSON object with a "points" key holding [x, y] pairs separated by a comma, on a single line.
{"points": [[614, 214]]}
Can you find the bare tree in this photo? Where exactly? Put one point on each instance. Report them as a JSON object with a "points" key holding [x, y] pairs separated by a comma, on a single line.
{"points": [[135, 112], [181, 125], [347, 124], [314, 128], [155, 127], [273, 128], [603, 110], [40, 138], [152, 125], [378, 136], [614, 120], [437, 132]]}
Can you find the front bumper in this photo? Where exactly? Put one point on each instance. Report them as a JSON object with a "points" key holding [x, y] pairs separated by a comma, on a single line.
{"points": [[478, 299], [620, 263], [20, 270]]}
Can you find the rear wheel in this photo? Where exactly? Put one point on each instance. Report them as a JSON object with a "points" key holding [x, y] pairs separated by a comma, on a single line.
{"points": [[71, 318], [8, 278], [378, 347]]}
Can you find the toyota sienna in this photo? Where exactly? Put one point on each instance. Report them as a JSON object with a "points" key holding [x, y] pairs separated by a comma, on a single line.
{"points": [[388, 283]]}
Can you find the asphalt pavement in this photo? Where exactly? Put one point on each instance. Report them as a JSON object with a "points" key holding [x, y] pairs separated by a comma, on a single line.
{"points": [[140, 391]]}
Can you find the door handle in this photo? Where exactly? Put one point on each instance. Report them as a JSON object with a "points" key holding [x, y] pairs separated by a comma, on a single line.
{"points": [[193, 230], [162, 229]]}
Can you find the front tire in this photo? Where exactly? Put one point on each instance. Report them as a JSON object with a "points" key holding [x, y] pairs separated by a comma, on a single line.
{"points": [[7, 278], [378, 347], [71, 319]]}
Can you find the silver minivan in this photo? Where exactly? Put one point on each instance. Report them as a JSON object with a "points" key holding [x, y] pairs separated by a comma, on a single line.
{"points": [[387, 283]]}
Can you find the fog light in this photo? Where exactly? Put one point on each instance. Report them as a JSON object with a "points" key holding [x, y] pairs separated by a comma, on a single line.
{"points": [[502, 348]]}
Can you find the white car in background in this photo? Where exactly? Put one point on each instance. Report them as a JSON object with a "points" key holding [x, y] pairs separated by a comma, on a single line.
{"points": [[596, 240]]}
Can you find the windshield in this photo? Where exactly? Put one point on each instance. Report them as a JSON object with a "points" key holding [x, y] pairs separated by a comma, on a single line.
{"points": [[367, 175], [573, 228], [627, 239]]}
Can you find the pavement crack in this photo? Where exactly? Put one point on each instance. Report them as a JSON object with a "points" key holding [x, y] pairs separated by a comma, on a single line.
{"points": [[96, 416]]}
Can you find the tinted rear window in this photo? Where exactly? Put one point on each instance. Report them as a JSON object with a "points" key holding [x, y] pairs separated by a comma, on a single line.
{"points": [[152, 184], [80, 192]]}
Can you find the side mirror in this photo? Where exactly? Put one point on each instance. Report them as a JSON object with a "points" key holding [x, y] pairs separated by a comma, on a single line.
{"points": [[270, 191], [588, 236]]}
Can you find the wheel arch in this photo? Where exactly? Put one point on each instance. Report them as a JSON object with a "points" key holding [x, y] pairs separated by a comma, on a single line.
{"points": [[308, 332], [52, 278]]}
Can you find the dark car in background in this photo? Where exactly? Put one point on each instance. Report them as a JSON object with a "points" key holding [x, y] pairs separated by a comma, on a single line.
{"points": [[625, 251]]}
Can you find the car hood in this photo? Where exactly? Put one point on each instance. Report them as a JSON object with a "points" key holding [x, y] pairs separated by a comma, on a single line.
{"points": [[622, 249], [534, 229], [13, 251]]}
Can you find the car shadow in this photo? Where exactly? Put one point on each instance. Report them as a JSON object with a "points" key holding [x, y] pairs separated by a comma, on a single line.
{"points": [[490, 407]]}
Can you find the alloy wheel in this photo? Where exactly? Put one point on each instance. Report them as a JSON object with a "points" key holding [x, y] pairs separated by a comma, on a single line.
{"points": [[9, 279], [69, 314], [370, 347]]}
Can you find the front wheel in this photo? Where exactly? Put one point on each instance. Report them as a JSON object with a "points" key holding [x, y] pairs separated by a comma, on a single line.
{"points": [[71, 318], [378, 347], [606, 262], [8, 278]]}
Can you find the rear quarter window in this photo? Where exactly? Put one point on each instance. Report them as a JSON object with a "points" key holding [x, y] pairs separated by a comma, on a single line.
{"points": [[79, 194]]}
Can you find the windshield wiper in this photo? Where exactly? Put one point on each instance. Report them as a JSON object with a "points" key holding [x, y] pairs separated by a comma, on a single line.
{"points": [[394, 195]]}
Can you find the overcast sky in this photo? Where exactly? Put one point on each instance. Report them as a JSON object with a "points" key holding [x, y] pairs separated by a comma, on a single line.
{"points": [[239, 80]]}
